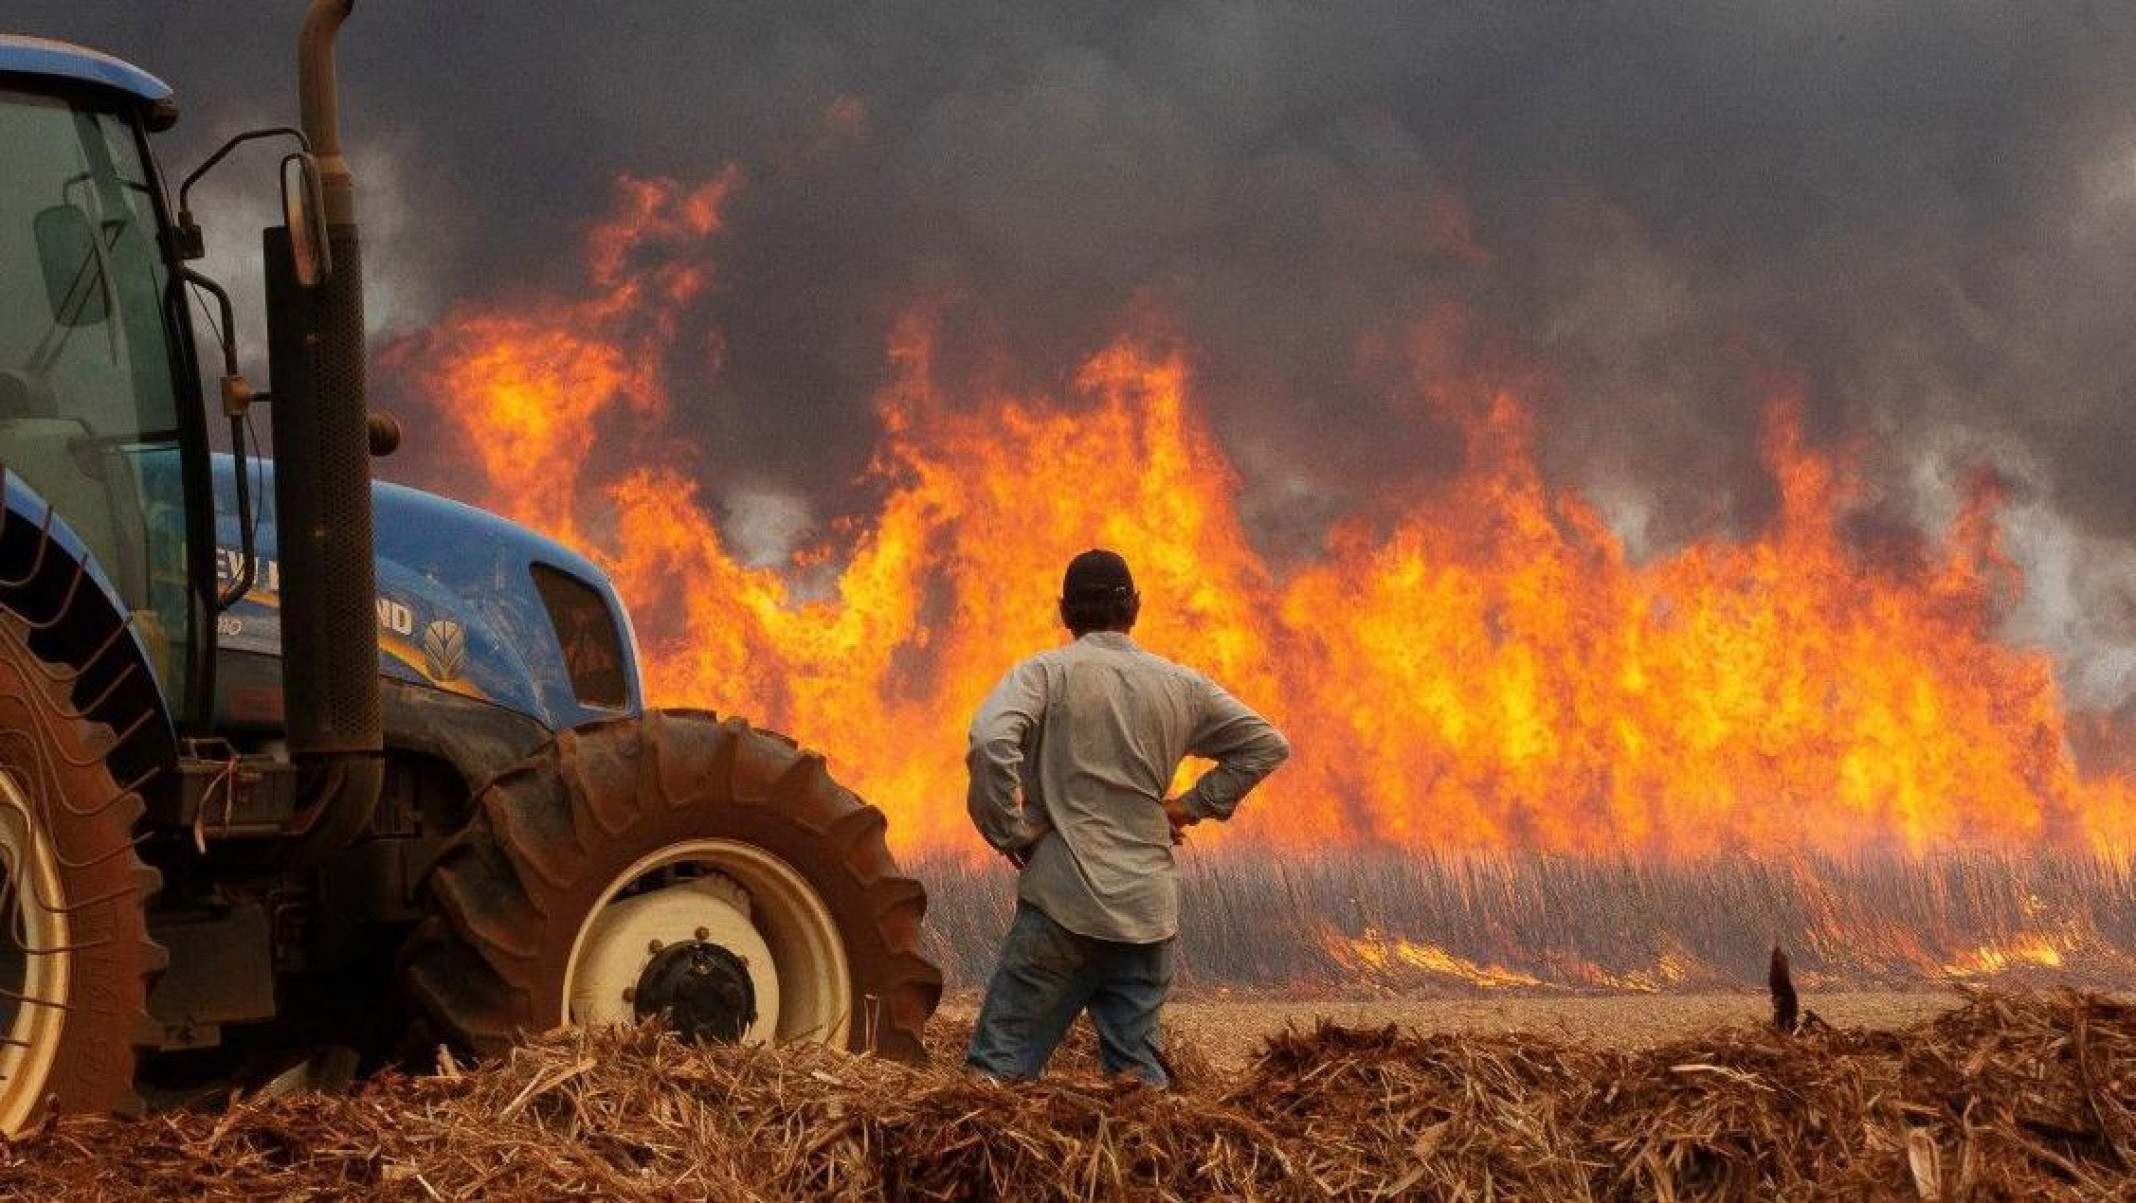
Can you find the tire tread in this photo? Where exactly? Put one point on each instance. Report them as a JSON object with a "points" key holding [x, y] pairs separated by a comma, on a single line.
{"points": [[506, 898]]}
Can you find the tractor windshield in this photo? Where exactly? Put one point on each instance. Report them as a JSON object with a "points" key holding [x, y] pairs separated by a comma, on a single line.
{"points": [[88, 394]]}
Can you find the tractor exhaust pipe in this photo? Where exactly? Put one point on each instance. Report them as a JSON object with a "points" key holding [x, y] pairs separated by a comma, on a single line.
{"points": [[319, 101], [322, 484]]}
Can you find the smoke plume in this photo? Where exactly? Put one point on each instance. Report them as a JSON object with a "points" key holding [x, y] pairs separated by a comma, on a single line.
{"points": [[1919, 219]]}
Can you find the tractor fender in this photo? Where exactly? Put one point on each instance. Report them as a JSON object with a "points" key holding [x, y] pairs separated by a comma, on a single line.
{"points": [[49, 576]]}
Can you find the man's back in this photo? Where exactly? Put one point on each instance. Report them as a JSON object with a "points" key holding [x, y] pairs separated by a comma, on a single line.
{"points": [[1094, 732], [1071, 756]]}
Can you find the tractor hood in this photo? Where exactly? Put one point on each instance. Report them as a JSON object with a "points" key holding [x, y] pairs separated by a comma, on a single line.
{"points": [[467, 602]]}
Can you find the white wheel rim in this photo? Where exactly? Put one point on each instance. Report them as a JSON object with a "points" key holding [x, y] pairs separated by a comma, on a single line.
{"points": [[776, 923], [34, 937]]}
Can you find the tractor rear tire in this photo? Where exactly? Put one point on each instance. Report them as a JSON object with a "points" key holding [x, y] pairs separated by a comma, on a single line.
{"points": [[73, 919], [554, 839]]}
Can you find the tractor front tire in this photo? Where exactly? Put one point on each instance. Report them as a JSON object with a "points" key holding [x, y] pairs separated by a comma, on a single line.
{"points": [[75, 956], [773, 882]]}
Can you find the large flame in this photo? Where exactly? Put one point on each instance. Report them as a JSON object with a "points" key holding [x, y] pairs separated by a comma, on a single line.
{"points": [[1490, 670]]}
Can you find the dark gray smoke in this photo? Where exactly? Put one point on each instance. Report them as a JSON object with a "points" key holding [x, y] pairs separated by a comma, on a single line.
{"points": [[1923, 215]]}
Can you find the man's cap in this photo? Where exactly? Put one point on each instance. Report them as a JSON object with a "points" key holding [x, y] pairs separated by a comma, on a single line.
{"points": [[1096, 573]]}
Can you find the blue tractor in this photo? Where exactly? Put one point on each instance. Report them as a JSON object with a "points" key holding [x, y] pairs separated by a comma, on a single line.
{"points": [[299, 768]]}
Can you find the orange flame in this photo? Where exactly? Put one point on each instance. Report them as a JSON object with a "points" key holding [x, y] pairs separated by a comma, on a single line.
{"points": [[1376, 954], [1986, 960], [1493, 671]]}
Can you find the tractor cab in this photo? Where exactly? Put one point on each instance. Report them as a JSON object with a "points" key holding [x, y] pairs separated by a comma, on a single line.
{"points": [[100, 417]]}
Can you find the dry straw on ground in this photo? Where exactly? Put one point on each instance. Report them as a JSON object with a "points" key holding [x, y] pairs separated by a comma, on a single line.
{"points": [[2009, 1096]]}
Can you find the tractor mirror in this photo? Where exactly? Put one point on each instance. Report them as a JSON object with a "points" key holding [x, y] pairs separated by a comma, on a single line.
{"points": [[73, 268], [305, 216]]}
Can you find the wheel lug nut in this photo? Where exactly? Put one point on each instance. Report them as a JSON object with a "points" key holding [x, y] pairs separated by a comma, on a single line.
{"points": [[704, 933], [653, 946], [630, 994]]}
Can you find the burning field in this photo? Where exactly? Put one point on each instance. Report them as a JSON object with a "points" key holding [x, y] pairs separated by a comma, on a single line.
{"points": [[2009, 1096], [1526, 758], [1476, 664]]}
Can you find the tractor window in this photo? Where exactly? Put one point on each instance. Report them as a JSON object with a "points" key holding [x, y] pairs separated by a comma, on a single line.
{"points": [[88, 392], [593, 654]]}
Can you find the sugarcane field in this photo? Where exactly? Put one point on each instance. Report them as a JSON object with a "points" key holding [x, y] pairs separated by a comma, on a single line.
{"points": [[1178, 600]]}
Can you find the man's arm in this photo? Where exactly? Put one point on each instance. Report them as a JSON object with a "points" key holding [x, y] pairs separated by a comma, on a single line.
{"points": [[1245, 747], [995, 760]]}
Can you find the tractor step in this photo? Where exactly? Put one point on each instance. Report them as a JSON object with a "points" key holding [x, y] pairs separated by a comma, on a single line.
{"points": [[220, 973], [222, 794]]}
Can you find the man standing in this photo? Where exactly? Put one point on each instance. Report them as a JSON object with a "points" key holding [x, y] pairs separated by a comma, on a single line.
{"points": [[1070, 760]]}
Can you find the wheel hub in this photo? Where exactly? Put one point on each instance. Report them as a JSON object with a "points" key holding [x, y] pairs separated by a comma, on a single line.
{"points": [[690, 948], [738, 898], [701, 989]]}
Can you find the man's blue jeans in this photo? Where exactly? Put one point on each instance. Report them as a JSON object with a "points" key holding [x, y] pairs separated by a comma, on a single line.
{"points": [[1046, 976]]}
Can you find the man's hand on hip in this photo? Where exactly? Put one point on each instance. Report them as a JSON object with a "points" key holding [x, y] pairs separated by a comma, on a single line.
{"points": [[1175, 813], [1021, 854]]}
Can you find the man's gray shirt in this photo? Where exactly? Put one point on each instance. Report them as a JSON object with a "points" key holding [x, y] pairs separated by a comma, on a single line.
{"points": [[1071, 757]]}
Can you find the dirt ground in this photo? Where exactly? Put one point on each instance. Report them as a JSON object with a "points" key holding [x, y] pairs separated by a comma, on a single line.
{"points": [[1230, 1030]]}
